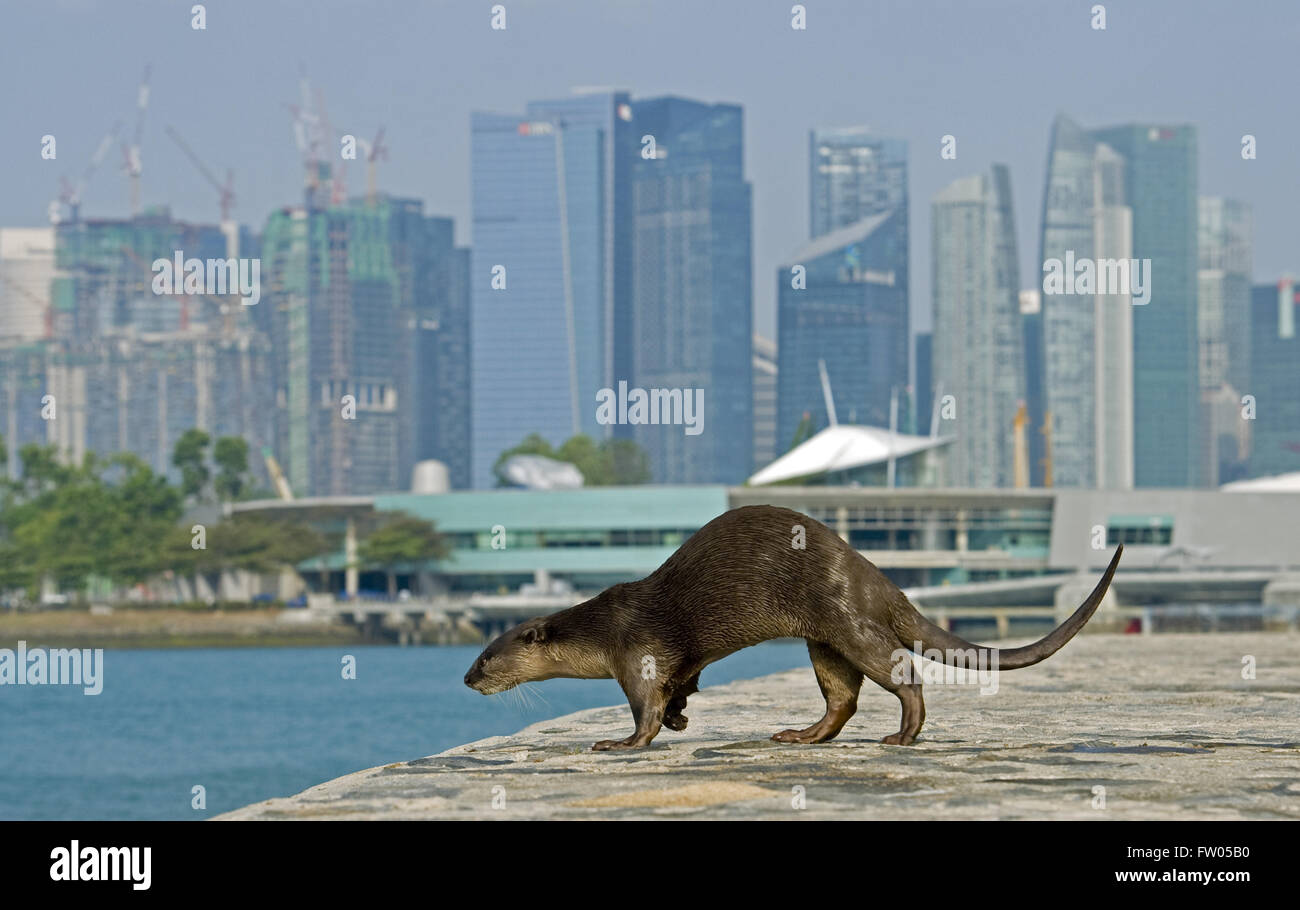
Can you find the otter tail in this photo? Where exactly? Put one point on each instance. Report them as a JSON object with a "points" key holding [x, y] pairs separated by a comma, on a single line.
{"points": [[911, 627]]}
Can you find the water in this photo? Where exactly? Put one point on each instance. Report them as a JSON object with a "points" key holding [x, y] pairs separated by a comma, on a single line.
{"points": [[248, 724]]}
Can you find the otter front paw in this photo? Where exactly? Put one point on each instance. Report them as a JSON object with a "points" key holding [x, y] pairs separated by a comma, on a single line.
{"points": [[675, 722], [898, 739], [607, 745]]}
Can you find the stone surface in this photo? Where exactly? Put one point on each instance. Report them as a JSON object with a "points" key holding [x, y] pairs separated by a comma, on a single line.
{"points": [[1166, 724]]}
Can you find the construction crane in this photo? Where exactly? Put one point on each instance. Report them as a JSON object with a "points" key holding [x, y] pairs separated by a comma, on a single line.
{"points": [[1020, 452], [225, 192], [374, 151], [69, 192], [281, 483], [338, 170], [131, 164], [307, 135]]}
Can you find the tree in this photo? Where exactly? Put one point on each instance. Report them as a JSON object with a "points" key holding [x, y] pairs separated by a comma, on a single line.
{"points": [[402, 540], [611, 462], [248, 542], [231, 457], [190, 455]]}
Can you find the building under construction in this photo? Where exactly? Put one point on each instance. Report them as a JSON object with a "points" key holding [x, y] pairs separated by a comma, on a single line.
{"points": [[122, 369], [367, 304]]}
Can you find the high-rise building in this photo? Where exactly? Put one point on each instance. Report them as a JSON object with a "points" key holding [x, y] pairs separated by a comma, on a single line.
{"points": [[923, 400], [124, 368], [551, 270], [692, 302], [433, 285], [1160, 189], [978, 343], [1273, 380], [1088, 381], [842, 299], [340, 367], [26, 272], [765, 448], [1031, 321], [1224, 241], [854, 174]]}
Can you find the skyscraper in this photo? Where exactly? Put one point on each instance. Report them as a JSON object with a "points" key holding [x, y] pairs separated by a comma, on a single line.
{"points": [[125, 367], [692, 301], [1159, 171], [433, 285], [843, 300], [765, 370], [1087, 343], [849, 305], [551, 270], [978, 344], [1223, 328], [370, 324], [1273, 379], [854, 173]]}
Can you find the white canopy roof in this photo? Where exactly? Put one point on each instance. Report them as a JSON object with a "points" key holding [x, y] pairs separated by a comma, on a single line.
{"points": [[1278, 483], [841, 448]]}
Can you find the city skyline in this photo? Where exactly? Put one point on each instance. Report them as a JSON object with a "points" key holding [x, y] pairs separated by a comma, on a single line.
{"points": [[240, 119]]}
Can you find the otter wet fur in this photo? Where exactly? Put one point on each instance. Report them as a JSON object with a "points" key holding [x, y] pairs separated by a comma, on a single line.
{"points": [[740, 580]]}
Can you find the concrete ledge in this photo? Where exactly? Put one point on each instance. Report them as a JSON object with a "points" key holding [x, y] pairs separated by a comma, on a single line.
{"points": [[1165, 724]]}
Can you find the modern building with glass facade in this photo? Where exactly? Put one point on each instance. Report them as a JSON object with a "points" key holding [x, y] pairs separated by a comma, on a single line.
{"points": [[1088, 378], [1160, 189], [978, 345], [1224, 241], [1274, 378], [853, 174], [551, 270], [843, 300], [692, 301]]}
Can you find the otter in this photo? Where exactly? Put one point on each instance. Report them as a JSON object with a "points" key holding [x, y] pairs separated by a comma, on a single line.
{"points": [[750, 575]]}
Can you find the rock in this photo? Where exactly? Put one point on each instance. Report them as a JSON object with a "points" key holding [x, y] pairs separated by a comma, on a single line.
{"points": [[1112, 727]]}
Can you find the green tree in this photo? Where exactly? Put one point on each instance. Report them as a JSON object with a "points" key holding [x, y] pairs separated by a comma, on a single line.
{"points": [[244, 541], [231, 457], [190, 455], [613, 461], [402, 540]]}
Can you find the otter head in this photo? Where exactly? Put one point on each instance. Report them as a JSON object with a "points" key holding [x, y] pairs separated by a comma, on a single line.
{"points": [[523, 654]]}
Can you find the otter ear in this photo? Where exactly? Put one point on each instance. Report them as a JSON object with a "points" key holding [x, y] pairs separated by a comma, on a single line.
{"points": [[534, 635]]}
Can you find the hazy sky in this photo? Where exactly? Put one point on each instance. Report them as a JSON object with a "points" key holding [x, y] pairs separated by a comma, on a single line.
{"points": [[992, 73]]}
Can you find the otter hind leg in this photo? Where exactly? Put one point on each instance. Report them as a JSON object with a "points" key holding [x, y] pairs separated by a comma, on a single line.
{"points": [[840, 682], [913, 715], [674, 719]]}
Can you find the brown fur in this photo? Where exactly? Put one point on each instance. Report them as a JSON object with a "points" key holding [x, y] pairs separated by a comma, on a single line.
{"points": [[737, 582]]}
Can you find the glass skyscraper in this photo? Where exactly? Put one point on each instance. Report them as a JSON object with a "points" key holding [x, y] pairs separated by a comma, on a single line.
{"points": [[851, 312], [978, 353], [1086, 338], [551, 270], [854, 174], [1274, 377], [1160, 190], [1223, 328], [692, 300]]}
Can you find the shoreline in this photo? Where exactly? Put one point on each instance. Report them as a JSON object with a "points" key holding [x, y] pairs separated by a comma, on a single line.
{"points": [[171, 627], [1112, 727]]}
